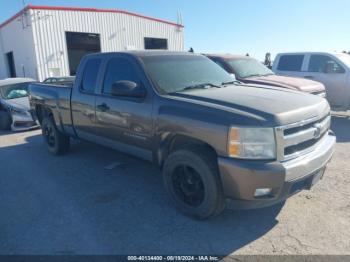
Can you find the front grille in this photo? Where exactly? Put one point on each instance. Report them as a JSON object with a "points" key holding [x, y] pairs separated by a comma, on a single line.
{"points": [[302, 146], [300, 138], [20, 124]]}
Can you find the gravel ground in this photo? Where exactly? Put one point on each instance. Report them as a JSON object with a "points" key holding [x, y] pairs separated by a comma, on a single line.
{"points": [[98, 201]]}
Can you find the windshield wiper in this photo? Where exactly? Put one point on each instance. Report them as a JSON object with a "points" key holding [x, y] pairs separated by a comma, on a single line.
{"points": [[255, 75], [231, 82], [200, 86]]}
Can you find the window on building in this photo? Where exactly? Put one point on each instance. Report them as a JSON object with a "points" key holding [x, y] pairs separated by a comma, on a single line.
{"points": [[119, 69], [290, 62], [156, 43], [323, 63], [90, 75]]}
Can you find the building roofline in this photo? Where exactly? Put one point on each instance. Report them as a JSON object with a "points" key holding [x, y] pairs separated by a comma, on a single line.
{"points": [[85, 9], [14, 17]]}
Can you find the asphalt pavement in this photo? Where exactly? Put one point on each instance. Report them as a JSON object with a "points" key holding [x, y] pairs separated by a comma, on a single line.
{"points": [[99, 201]]}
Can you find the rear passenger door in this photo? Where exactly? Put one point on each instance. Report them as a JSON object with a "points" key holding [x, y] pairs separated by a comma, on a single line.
{"points": [[83, 99], [290, 65], [124, 122]]}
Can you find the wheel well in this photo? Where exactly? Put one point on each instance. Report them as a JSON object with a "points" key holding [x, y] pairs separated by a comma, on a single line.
{"points": [[180, 141], [42, 112]]}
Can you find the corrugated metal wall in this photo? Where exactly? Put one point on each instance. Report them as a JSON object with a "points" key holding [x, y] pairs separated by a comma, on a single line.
{"points": [[3, 69], [17, 37], [117, 31]]}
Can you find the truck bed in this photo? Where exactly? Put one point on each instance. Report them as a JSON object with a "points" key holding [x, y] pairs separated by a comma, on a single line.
{"points": [[57, 99]]}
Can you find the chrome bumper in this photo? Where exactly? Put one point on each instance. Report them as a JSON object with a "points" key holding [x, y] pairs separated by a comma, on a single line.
{"points": [[311, 162]]}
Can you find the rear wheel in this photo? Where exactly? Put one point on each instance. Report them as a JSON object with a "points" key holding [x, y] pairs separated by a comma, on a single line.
{"points": [[56, 142], [191, 178], [5, 120]]}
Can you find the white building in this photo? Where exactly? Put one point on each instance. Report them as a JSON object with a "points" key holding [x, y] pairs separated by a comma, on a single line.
{"points": [[44, 41]]}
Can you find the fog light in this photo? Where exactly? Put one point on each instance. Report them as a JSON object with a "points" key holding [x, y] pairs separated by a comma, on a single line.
{"points": [[260, 192]]}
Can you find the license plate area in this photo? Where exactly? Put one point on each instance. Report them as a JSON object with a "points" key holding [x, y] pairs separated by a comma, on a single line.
{"points": [[307, 183], [318, 176]]}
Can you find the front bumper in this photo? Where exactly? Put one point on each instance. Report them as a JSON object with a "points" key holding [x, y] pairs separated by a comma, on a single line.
{"points": [[21, 122], [240, 178]]}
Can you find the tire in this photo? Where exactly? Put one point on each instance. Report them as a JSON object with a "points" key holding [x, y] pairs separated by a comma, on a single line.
{"points": [[5, 120], [56, 142], [200, 194]]}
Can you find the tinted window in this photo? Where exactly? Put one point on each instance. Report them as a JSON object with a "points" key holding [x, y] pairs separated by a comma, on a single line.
{"points": [[119, 69], [290, 63], [322, 64], [90, 75], [220, 63], [156, 43]]}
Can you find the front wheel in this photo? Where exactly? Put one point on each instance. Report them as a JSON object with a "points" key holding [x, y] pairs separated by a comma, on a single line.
{"points": [[56, 142], [191, 178]]}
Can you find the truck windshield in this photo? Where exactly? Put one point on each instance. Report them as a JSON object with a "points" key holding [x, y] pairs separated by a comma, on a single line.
{"points": [[248, 68], [14, 91], [177, 73]]}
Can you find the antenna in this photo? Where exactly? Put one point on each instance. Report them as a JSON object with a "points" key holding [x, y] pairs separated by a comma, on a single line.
{"points": [[179, 18], [24, 16]]}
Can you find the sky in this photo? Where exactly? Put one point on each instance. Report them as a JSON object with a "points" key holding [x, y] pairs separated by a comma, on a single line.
{"points": [[236, 26]]}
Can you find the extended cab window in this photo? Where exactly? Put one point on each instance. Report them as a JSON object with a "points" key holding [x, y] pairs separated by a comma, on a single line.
{"points": [[90, 75], [324, 64], [119, 69], [290, 63]]}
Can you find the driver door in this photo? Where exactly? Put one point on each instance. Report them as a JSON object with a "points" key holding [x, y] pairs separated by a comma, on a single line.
{"points": [[121, 121]]}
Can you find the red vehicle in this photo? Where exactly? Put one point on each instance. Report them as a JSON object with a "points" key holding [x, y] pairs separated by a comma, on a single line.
{"points": [[250, 71]]}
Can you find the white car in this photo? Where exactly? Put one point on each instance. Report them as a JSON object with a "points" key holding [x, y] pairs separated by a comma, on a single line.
{"points": [[331, 69], [14, 105]]}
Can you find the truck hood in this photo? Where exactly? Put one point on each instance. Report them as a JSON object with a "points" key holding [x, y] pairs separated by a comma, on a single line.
{"points": [[294, 83], [20, 103], [271, 106]]}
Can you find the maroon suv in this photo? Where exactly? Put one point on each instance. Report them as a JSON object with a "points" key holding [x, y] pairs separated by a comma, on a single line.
{"points": [[250, 71]]}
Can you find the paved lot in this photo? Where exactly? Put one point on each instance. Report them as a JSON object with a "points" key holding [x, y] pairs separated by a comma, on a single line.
{"points": [[98, 201]]}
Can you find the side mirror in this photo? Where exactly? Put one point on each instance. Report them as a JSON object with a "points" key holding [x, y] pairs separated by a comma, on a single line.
{"points": [[128, 89]]}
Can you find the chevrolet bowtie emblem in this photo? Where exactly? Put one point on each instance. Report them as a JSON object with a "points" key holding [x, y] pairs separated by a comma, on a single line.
{"points": [[317, 131]]}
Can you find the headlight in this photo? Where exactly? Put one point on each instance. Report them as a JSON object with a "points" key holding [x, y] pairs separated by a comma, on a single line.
{"points": [[252, 143]]}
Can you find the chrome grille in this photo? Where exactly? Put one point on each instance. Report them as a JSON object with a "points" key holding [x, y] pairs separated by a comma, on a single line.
{"points": [[300, 138]]}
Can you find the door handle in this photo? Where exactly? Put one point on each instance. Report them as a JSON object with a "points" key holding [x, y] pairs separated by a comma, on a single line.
{"points": [[103, 107], [309, 77]]}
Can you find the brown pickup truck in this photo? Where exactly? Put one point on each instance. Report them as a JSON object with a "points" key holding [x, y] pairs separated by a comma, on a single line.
{"points": [[215, 140], [250, 71]]}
